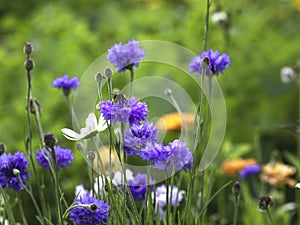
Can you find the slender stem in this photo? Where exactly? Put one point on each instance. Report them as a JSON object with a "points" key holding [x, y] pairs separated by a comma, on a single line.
{"points": [[131, 80], [206, 25], [236, 209], [21, 209], [270, 216], [7, 206], [167, 201], [33, 200]]}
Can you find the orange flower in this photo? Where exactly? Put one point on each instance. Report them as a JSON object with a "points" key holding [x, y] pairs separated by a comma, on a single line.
{"points": [[173, 122], [103, 154], [235, 165], [278, 174]]}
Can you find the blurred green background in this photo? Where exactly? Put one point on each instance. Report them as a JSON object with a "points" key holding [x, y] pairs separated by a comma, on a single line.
{"points": [[263, 37]]}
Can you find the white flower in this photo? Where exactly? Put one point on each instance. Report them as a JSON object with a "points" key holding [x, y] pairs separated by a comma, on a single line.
{"points": [[118, 178], [297, 185], [287, 75], [90, 130]]}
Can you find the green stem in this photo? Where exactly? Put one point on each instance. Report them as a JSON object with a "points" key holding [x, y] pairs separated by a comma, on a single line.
{"points": [[7, 206], [206, 25], [270, 216], [236, 209], [131, 80], [21, 209]]}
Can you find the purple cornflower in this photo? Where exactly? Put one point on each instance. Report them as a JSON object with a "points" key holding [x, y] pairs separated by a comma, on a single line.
{"points": [[66, 83], [125, 56], [154, 152], [127, 110], [12, 166], [249, 171], [180, 158], [138, 136], [89, 211], [138, 186], [217, 62], [64, 157], [175, 197]]}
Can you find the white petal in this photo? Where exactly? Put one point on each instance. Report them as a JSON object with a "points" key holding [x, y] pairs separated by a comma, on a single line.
{"points": [[70, 134], [91, 121], [102, 125], [297, 185]]}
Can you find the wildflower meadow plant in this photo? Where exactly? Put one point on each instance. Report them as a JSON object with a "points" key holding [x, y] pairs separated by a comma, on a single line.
{"points": [[141, 169]]}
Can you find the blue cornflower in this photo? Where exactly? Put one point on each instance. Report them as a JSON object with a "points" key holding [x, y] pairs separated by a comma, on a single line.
{"points": [[128, 110], [217, 62], [137, 136], [125, 56], [12, 166], [249, 171], [64, 157], [154, 152], [175, 197], [89, 211], [180, 158], [138, 186], [66, 83]]}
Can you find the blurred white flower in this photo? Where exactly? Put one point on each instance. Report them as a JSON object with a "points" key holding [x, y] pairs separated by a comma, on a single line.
{"points": [[90, 130], [118, 179], [99, 184], [220, 18], [287, 75], [79, 190], [297, 185]]}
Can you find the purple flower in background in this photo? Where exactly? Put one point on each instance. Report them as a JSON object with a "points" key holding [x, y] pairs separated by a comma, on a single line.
{"points": [[127, 110], [217, 62], [249, 171], [175, 197], [138, 136], [66, 83], [125, 56], [64, 157], [89, 211], [138, 186], [12, 166], [180, 158]]}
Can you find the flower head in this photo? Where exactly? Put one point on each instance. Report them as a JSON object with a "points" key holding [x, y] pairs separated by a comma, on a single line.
{"points": [[66, 83], [128, 110], [138, 186], [125, 56], [64, 157], [138, 136], [175, 197], [179, 159], [89, 211], [174, 122], [92, 128], [9, 163], [217, 62], [278, 174], [249, 171], [235, 165], [154, 152]]}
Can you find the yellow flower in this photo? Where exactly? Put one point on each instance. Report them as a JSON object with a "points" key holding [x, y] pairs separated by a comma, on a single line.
{"points": [[278, 174], [233, 166], [173, 121]]}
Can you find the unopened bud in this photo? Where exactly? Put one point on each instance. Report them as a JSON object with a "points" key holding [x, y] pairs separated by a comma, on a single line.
{"points": [[35, 105], [90, 156], [99, 77], [16, 172], [2, 148], [28, 48], [29, 64], [93, 207], [236, 189], [108, 72], [50, 140]]}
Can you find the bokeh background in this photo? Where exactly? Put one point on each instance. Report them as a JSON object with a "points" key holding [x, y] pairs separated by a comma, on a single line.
{"points": [[262, 37]]}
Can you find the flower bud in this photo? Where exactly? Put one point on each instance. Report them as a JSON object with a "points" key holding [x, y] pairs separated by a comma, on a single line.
{"points": [[35, 105], [93, 207], [265, 202], [99, 77], [2, 148], [29, 64], [28, 48], [108, 72], [91, 156], [236, 189], [50, 140], [16, 172]]}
